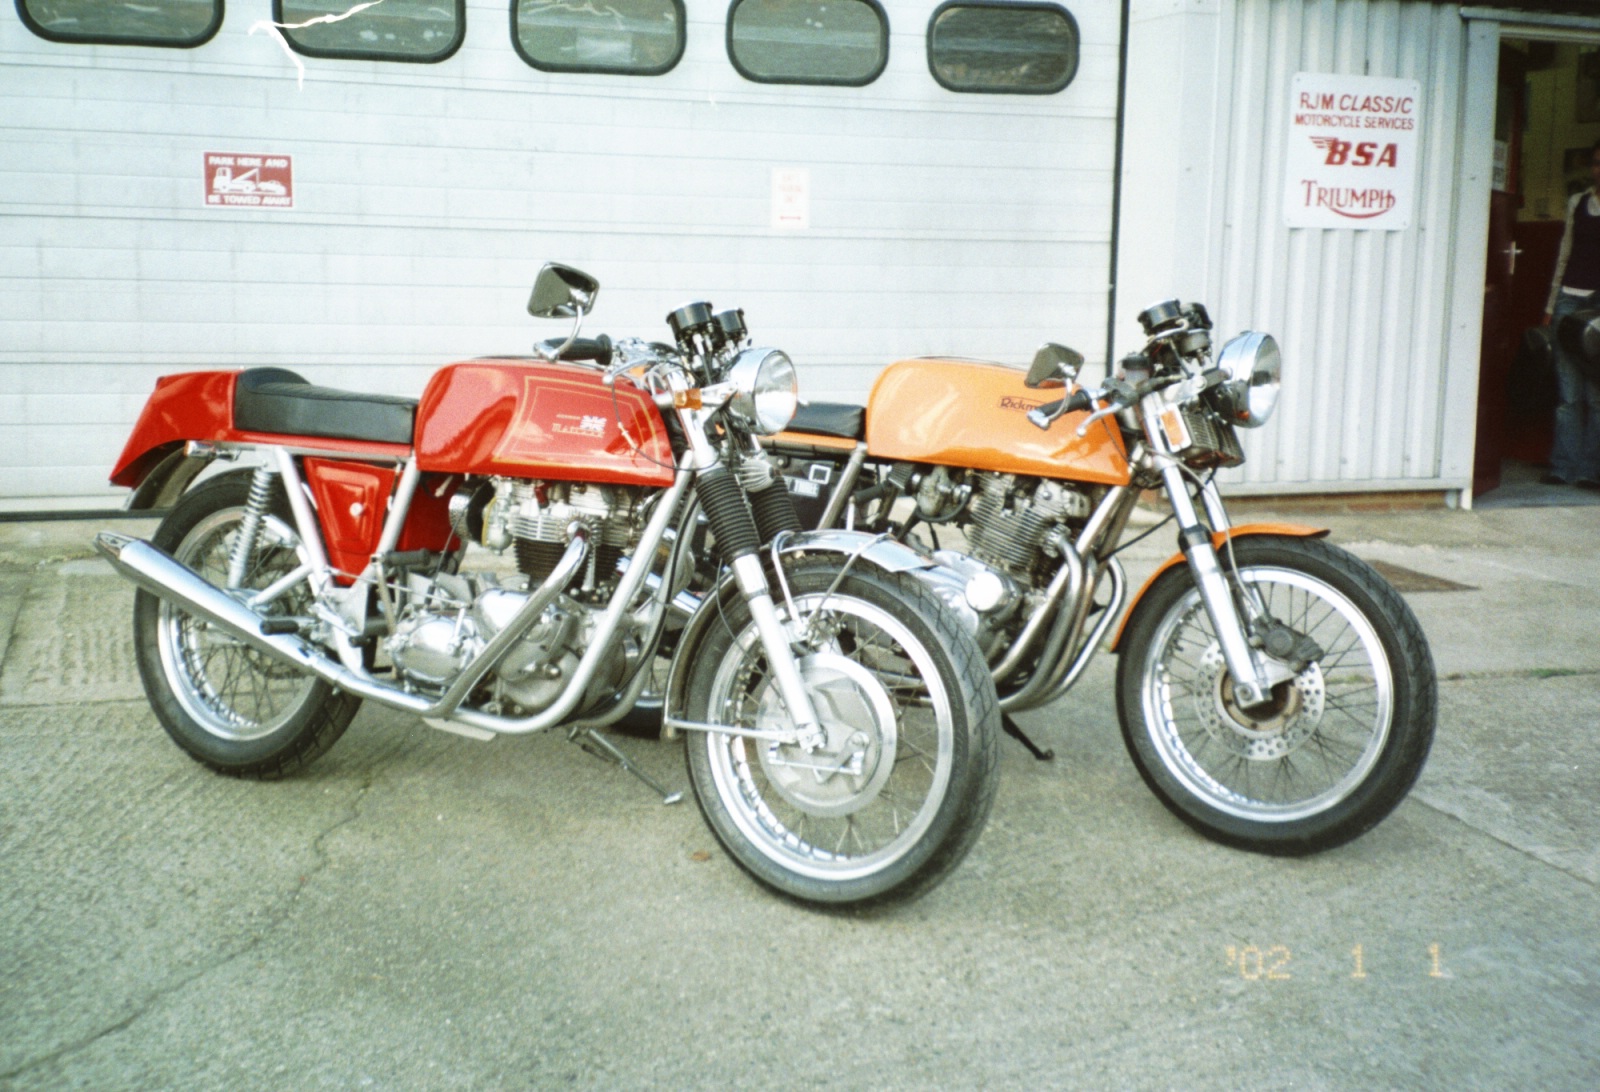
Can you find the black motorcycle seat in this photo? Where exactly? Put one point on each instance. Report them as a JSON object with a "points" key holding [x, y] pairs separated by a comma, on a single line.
{"points": [[279, 401], [830, 419]]}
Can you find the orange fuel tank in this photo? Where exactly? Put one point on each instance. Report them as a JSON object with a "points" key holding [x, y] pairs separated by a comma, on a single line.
{"points": [[526, 418], [974, 414]]}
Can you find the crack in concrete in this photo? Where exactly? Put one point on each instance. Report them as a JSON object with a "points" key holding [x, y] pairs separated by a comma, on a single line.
{"points": [[1512, 674], [86, 703], [275, 922], [1502, 840]]}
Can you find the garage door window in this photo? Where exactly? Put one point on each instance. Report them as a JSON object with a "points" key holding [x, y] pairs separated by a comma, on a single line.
{"points": [[182, 24], [622, 37], [1003, 48], [808, 41], [423, 31]]}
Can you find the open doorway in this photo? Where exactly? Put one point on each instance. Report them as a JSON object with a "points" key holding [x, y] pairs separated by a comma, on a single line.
{"points": [[1547, 117]]}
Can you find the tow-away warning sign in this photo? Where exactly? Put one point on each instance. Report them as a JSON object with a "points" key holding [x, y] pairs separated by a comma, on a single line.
{"points": [[239, 180]]}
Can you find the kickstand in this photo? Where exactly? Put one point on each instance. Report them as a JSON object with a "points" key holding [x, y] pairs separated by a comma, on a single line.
{"points": [[602, 748], [1016, 733]]}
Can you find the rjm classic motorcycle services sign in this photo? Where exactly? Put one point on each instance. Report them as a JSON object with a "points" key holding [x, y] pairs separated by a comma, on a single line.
{"points": [[1352, 152]]}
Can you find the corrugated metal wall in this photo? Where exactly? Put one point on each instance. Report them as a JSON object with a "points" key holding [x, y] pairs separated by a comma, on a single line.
{"points": [[427, 196], [1377, 393]]}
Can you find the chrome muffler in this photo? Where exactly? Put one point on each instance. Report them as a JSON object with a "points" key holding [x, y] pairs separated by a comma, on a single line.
{"points": [[158, 573]]}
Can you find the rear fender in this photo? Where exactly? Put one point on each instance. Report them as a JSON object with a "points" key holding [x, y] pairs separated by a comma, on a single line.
{"points": [[188, 406], [877, 550], [167, 479], [1219, 541]]}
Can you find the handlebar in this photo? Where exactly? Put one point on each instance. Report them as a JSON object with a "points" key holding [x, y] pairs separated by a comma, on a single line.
{"points": [[596, 349], [1118, 394], [1043, 416]]}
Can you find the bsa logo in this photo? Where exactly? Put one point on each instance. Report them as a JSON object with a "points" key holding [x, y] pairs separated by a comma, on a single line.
{"points": [[570, 425], [1020, 405], [1345, 153]]}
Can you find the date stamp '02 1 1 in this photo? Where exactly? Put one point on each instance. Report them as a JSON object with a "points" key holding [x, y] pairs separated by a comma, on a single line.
{"points": [[1275, 963]]}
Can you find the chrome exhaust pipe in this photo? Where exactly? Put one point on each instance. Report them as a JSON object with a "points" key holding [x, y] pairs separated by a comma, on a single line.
{"points": [[158, 573]]}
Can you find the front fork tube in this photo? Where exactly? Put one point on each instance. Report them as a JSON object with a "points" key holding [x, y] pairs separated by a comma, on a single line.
{"points": [[775, 643], [1250, 682], [752, 581]]}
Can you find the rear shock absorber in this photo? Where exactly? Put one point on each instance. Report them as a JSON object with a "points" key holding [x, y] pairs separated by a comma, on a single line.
{"points": [[255, 510]]}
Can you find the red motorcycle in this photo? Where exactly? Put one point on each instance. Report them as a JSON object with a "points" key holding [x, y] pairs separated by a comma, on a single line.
{"points": [[841, 722]]}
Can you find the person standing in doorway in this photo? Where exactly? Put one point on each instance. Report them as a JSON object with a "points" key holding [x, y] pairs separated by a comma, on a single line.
{"points": [[1575, 454]]}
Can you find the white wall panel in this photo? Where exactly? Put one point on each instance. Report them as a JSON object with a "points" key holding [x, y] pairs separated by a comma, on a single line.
{"points": [[1365, 318], [427, 196]]}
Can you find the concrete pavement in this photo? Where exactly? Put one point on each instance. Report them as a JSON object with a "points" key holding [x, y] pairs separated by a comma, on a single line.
{"points": [[422, 911]]}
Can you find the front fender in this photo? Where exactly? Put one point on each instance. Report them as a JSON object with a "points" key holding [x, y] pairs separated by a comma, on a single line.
{"points": [[1218, 541], [878, 550]]}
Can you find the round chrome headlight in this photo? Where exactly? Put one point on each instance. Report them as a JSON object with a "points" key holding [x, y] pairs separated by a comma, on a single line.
{"points": [[1253, 368], [766, 392]]}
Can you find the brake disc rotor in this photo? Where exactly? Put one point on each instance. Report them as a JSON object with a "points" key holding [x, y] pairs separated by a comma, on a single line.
{"points": [[857, 756], [1263, 732]]}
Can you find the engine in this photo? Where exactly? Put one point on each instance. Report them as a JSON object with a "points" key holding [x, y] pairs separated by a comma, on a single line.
{"points": [[1006, 517], [533, 517], [446, 619]]}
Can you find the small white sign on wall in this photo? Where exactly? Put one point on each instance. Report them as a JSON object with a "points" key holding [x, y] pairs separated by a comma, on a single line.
{"points": [[791, 198], [1352, 152]]}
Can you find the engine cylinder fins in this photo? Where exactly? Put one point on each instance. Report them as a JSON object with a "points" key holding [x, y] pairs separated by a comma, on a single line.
{"points": [[1010, 519], [538, 559]]}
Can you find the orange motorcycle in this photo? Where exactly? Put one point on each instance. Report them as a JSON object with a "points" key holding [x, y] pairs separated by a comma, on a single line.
{"points": [[1274, 691]]}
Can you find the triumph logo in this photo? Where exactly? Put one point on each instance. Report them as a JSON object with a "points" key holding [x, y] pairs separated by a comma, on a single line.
{"points": [[1356, 204]]}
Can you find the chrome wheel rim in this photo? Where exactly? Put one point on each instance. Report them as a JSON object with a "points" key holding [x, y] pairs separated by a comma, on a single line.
{"points": [[1306, 751], [863, 800], [232, 691]]}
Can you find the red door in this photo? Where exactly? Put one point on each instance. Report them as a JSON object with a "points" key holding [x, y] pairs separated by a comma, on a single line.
{"points": [[1514, 408]]}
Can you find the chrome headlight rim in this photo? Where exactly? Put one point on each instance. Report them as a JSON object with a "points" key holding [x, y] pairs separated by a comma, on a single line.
{"points": [[766, 390], [1254, 367]]}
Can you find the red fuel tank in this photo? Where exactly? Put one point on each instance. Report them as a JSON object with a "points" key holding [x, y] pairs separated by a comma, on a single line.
{"points": [[527, 418]]}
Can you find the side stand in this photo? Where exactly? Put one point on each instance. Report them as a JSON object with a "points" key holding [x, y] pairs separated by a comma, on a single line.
{"points": [[602, 748], [1016, 733]]}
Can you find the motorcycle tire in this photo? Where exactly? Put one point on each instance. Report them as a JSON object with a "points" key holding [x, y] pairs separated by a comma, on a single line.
{"points": [[900, 790], [1339, 745], [228, 706]]}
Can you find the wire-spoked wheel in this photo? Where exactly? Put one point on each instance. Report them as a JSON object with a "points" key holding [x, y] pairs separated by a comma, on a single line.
{"points": [[230, 706], [1337, 746], [895, 789]]}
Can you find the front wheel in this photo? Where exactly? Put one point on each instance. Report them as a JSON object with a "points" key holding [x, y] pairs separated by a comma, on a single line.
{"points": [[897, 792], [1339, 744]]}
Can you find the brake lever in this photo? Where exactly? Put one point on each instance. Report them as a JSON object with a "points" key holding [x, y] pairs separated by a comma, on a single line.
{"points": [[1083, 429], [1119, 393]]}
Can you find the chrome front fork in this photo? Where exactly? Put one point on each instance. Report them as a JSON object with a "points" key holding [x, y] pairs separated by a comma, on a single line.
{"points": [[752, 581], [1252, 683]]}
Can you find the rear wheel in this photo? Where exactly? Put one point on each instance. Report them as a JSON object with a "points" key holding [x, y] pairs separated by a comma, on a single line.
{"points": [[1339, 744], [229, 706], [898, 790]]}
